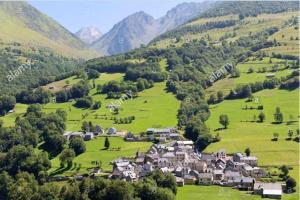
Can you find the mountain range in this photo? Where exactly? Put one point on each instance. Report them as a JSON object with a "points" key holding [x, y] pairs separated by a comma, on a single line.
{"points": [[140, 28], [88, 34], [20, 22]]}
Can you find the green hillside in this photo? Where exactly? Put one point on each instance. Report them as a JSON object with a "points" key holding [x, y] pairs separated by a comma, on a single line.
{"points": [[20, 22], [171, 85]]}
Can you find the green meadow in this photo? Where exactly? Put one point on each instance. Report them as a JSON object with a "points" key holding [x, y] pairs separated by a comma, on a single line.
{"points": [[243, 132], [153, 107], [95, 152], [229, 83], [194, 192]]}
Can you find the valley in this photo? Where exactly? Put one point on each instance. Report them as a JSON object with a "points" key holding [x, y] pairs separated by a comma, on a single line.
{"points": [[148, 122]]}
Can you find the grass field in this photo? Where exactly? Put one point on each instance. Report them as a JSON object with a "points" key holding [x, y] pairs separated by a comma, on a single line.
{"points": [[229, 83], [95, 152], [194, 192], [153, 107], [257, 136], [249, 25], [62, 84]]}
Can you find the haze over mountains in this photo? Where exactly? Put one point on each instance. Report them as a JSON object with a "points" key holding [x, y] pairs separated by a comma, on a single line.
{"points": [[140, 28]]}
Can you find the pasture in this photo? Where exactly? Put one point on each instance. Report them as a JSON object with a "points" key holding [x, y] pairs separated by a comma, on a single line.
{"points": [[95, 152], [195, 192]]}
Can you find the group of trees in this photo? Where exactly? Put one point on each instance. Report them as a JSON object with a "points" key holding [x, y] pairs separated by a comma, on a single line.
{"points": [[18, 142], [24, 186], [7, 103], [43, 67], [78, 90], [115, 89], [34, 96], [216, 99], [125, 120]]}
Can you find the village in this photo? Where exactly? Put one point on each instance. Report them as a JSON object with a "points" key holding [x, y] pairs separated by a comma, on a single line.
{"points": [[173, 154]]}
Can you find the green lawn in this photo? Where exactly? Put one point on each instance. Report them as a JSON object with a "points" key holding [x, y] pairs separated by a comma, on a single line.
{"points": [[9, 119], [95, 152], [195, 192]]}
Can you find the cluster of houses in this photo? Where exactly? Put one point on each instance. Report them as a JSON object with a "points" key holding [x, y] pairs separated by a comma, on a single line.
{"points": [[163, 134], [87, 135], [189, 167]]}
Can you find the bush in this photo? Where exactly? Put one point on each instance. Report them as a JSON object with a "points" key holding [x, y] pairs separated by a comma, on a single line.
{"points": [[85, 102]]}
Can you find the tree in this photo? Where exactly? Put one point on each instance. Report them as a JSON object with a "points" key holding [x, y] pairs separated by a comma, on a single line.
{"points": [[66, 157], [203, 141], [93, 74], [224, 120], [241, 16], [220, 96], [99, 88], [212, 99], [278, 116], [247, 151], [106, 143], [97, 105], [290, 134], [85, 126], [291, 183], [261, 117], [284, 171], [275, 136], [78, 145], [194, 129]]}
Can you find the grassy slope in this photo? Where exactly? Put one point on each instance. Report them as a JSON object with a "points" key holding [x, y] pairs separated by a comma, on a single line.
{"points": [[250, 24], [15, 29], [228, 83], [153, 107], [95, 152]]}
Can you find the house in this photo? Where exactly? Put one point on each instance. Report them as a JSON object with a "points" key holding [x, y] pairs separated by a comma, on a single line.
{"points": [[111, 131], [205, 179], [218, 175], [174, 136], [231, 175], [162, 139], [268, 190], [88, 136], [221, 154], [179, 181], [98, 130], [189, 179], [70, 135], [243, 183], [250, 160]]}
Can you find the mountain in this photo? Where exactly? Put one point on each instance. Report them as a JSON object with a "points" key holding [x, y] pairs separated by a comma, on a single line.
{"points": [[88, 34], [136, 29], [181, 14], [20, 22], [141, 28]]}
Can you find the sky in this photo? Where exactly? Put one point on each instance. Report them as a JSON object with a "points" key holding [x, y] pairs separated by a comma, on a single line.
{"points": [[102, 14]]}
